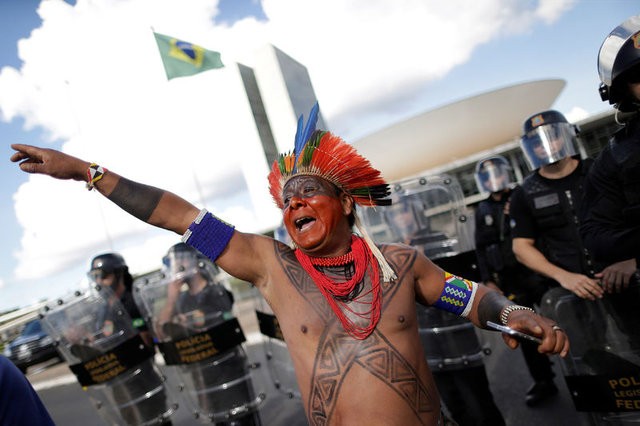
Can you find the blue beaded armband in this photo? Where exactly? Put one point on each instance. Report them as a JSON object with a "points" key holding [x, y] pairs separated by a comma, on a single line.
{"points": [[208, 234], [457, 295]]}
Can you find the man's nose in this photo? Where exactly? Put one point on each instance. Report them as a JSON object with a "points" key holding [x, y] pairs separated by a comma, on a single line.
{"points": [[296, 201]]}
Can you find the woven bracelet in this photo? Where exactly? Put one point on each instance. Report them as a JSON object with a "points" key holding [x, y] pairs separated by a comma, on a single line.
{"points": [[208, 234], [94, 174], [504, 315]]}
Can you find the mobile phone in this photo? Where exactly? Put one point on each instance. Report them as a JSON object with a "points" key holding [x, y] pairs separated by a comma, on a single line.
{"points": [[515, 333]]}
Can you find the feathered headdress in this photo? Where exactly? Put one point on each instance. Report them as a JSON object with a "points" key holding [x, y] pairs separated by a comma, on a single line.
{"points": [[325, 155], [320, 153]]}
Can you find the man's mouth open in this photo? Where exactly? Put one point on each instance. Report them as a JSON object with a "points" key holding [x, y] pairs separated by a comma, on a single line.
{"points": [[304, 223]]}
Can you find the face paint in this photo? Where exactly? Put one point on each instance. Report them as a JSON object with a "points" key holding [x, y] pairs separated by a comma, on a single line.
{"points": [[314, 215]]}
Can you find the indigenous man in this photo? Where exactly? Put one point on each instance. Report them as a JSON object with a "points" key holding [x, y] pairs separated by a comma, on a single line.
{"points": [[346, 307]]}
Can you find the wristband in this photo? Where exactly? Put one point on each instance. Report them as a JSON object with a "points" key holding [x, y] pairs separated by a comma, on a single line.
{"points": [[94, 174], [504, 315], [208, 234]]}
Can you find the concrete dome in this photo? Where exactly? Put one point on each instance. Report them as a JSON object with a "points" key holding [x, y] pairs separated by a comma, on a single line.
{"points": [[457, 130]]}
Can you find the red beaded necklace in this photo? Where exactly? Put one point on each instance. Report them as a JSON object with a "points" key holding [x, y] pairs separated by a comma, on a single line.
{"points": [[362, 258]]}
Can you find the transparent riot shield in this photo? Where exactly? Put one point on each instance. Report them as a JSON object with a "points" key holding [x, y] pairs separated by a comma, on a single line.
{"points": [[95, 336], [450, 342], [429, 213], [602, 369], [190, 310], [277, 354], [426, 212]]}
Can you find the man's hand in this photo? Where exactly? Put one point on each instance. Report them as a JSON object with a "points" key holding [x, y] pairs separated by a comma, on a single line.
{"points": [[554, 339], [49, 162], [615, 278], [581, 285]]}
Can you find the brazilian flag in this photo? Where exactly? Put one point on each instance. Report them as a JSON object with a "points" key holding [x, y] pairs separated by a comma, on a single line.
{"points": [[181, 58]]}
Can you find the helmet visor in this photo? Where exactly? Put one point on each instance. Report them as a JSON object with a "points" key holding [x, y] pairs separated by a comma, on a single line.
{"points": [[180, 265], [548, 144], [612, 45], [492, 175]]}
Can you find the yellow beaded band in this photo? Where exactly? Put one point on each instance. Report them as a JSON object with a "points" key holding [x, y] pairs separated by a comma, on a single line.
{"points": [[94, 174]]}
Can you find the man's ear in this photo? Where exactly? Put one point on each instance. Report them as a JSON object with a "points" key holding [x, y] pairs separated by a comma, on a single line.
{"points": [[347, 203]]}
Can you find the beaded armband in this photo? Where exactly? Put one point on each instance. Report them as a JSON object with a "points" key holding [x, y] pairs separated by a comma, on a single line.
{"points": [[208, 234], [457, 295], [94, 174]]}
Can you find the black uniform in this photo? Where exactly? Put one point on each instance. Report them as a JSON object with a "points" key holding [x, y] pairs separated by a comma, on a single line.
{"points": [[497, 263], [546, 210], [611, 211]]}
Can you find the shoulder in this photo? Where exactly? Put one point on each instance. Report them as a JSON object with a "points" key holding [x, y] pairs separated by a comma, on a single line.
{"points": [[402, 257]]}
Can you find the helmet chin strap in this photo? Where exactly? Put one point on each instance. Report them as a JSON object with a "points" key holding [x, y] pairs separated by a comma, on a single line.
{"points": [[616, 117]]}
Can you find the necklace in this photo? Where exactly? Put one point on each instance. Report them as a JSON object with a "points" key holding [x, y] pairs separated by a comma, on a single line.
{"points": [[363, 259], [332, 261]]}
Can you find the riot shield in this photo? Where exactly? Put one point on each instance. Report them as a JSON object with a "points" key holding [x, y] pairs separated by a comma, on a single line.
{"points": [[192, 321], [95, 336], [426, 212], [450, 342], [602, 369], [277, 354]]}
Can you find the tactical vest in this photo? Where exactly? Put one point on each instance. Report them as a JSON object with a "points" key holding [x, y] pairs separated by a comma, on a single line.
{"points": [[494, 235], [625, 150], [555, 213]]}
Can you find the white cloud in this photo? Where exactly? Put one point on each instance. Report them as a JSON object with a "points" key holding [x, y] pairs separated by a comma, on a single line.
{"points": [[92, 77], [576, 114], [551, 10]]}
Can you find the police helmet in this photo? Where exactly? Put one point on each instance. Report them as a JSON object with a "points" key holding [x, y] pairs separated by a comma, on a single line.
{"points": [[105, 264], [183, 261], [548, 138], [493, 174], [619, 64]]}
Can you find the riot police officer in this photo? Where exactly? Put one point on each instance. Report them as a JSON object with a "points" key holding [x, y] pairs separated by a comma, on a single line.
{"points": [[205, 303], [611, 214], [199, 337], [544, 210], [498, 266], [110, 270]]}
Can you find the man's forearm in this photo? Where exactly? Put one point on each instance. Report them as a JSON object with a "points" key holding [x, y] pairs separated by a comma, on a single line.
{"points": [[152, 205], [135, 198], [490, 307]]}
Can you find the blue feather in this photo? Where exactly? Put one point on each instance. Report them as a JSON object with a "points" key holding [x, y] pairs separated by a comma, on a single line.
{"points": [[311, 123], [303, 136]]}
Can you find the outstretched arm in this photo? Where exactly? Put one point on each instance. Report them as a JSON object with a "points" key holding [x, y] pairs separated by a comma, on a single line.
{"points": [[149, 204], [244, 255]]}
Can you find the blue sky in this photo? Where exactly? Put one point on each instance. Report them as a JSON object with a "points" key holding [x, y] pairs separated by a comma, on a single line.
{"points": [[371, 66]]}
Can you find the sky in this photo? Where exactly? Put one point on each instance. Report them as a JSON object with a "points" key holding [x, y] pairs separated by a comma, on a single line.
{"points": [[85, 76]]}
